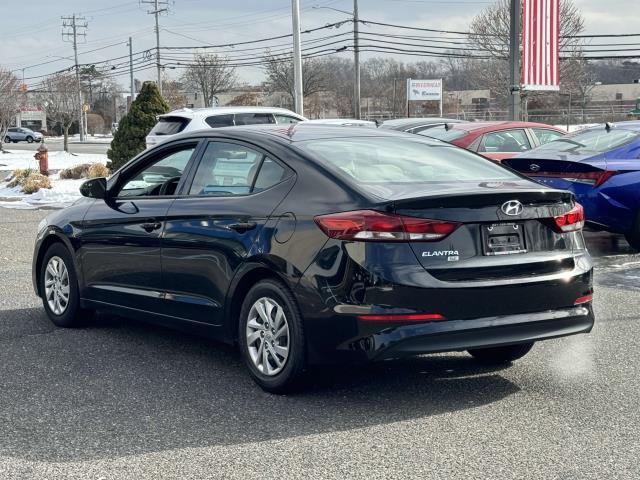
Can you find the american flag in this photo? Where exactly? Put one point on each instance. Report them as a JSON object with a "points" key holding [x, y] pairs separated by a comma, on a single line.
{"points": [[541, 45]]}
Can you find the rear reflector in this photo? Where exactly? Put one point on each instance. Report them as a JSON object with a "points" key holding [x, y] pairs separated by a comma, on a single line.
{"points": [[571, 221], [412, 317], [585, 299], [370, 225]]}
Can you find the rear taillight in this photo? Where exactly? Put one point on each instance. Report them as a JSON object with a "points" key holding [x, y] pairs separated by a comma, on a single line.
{"points": [[370, 225], [583, 300], [595, 179], [571, 221]]}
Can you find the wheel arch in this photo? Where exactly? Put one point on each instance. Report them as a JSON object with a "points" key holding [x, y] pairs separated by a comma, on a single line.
{"points": [[240, 286]]}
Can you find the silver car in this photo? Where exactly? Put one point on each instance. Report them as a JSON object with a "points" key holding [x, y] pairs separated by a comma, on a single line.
{"points": [[20, 134]]}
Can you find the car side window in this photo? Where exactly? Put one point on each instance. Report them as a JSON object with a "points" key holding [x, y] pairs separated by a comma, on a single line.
{"points": [[228, 169], [161, 177], [285, 119], [505, 141], [216, 121], [545, 135], [254, 118]]}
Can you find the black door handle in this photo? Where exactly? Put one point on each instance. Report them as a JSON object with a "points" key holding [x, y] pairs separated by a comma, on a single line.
{"points": [[150, 227], [242, 226]]}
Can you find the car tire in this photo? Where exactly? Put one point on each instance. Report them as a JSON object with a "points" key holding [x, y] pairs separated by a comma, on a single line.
{"points": [[633, 236], [58, 286], [270, 323], [501, 355], [7, 139], [29, 139]]}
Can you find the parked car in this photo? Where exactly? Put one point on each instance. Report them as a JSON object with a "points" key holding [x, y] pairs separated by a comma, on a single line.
{"points": [[601, 166], [495, 140], [416, 125], [21, 134], [189, 120], [319, 244]]}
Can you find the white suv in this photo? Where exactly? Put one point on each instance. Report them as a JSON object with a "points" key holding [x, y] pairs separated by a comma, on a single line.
{"points": [[186, 120]]}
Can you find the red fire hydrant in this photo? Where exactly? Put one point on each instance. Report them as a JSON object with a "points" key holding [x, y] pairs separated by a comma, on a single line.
{"points": [[42, 155]]}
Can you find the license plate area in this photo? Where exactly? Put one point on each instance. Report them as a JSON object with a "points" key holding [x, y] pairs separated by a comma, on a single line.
{"points": [[503, 238]]}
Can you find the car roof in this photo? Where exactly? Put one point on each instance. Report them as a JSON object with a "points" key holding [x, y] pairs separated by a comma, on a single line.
{"points": [[300, 132], [409, 122], [500, 125], [207, 112], [626, 125]]}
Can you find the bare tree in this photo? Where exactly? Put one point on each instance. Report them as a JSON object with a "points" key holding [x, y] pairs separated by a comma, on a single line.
{"points": [[9, 101], [173, 93], [209, 74], [61, 102], [490, 34], [279, 72]]}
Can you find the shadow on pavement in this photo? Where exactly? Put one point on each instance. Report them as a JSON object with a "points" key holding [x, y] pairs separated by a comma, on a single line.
{"points": [[121, 388]]}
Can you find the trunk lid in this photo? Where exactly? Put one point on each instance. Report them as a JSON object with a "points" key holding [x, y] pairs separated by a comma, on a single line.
{"points": [[490, 243]]}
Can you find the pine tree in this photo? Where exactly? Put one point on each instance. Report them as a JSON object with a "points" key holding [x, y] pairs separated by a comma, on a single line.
{"points": [[129, 140]]}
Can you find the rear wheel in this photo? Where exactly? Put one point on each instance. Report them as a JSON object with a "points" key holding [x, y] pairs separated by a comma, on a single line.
{"points": [[59, 288], [271, 337], [501, 355]]}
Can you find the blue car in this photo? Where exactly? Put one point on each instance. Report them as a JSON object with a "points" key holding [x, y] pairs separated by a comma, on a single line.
{"points": [[601, 166]]}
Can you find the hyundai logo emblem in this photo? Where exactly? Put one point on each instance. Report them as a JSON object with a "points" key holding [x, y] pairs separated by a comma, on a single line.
{"points": [[512, 207], [534, 167]]}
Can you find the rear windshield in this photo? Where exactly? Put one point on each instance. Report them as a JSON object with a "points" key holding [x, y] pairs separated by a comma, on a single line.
{"points": [[590, 141], [169, 125], [442, 133], [371, 160]]}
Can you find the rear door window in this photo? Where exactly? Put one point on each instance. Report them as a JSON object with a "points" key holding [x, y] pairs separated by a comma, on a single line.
{"points": [[505, 141], [229, 169], [545, 135], [285, 119], [254, 118], [169, 125], [217, 121]]}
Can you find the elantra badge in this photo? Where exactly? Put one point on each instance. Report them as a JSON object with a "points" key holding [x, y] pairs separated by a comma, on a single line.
{"points": [[512, 207]]}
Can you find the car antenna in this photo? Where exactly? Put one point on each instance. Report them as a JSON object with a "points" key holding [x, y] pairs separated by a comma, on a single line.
{"points": [[608, 126], [447, 127]]}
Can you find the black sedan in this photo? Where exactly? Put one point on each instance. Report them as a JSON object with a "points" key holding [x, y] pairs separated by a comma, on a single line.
{"points": [[417, 125], [317, 244]]}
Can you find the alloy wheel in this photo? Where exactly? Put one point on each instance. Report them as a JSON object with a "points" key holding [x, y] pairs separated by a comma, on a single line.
{"points": [[56, 285], [268, 336]]}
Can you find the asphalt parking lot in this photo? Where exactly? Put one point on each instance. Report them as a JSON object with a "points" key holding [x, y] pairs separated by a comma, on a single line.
{"points": [[121, 399]]}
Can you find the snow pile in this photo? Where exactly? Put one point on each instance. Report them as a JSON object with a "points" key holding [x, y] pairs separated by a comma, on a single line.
{"points": [[63, 193], [57, 160]]}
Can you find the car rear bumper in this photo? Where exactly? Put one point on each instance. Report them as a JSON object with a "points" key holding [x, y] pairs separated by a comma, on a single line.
{"points": [[458, 335]]}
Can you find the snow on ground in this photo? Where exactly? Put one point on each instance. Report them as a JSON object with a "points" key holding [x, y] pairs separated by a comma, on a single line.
{"points": [[575, 128], [57, 160], [63, 193]]}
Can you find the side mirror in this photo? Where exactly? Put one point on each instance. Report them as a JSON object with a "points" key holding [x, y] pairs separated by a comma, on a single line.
{"points": [[94, 188]]}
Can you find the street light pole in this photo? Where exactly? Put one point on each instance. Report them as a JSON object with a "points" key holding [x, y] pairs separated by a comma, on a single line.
{"points": [[133, 87], [297, 58], [514, 61], [356, 58]]}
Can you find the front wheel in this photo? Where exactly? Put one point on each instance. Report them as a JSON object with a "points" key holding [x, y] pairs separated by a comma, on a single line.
{"points": [[59, 288], [271, 336], [7, 139], [501, 355], [29, 139]]}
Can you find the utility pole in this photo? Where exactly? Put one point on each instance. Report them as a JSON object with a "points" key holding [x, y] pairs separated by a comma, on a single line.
{"points": [[133, 85], [297, 58], [72, 28], [159, 6], [356, 58], [514, 61]]}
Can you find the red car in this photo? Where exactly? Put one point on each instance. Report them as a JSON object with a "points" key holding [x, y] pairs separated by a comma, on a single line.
{"points": [[496, 140]]}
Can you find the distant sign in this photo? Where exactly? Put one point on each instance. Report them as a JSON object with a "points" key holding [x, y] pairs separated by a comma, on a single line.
{"points": [[424, 90]]}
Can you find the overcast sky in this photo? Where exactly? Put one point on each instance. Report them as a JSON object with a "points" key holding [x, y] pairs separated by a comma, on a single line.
{"points": [[30, 34]]}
